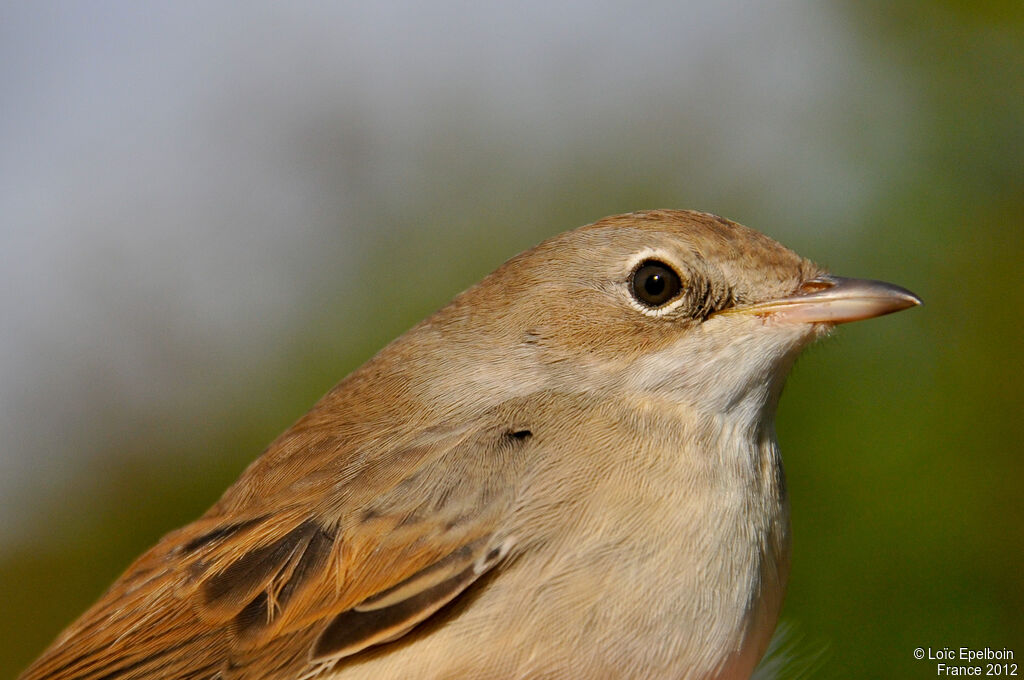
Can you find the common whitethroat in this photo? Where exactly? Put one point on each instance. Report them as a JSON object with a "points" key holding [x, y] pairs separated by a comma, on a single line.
{"points": [[570, 471]]}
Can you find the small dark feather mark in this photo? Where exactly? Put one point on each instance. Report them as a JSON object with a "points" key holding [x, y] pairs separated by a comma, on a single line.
{"points": [[780, 481], [217, 534], [313, 561], [252, 571], [519, 434], [253, 615], [354, 630], [704, 305], [493, 555], [727, 299], [257, 614]]}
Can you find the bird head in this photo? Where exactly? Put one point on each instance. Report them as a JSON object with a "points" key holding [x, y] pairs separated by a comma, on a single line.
{"points": [[676, 304]]}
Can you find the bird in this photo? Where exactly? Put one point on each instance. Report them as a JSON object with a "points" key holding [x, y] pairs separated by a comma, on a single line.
{"points": [[569, 471]]}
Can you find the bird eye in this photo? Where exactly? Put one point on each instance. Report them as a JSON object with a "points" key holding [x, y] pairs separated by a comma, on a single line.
{"points": [[654, 283]]}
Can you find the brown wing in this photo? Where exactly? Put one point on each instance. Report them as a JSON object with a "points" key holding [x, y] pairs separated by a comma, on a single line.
{"points": [[281, 590]]}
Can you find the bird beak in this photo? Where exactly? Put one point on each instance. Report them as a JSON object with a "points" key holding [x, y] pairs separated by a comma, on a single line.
{"points": [[834, 300]]}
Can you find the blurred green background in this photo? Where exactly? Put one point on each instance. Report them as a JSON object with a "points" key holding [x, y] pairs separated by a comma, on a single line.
{"points": [[212, 214]]}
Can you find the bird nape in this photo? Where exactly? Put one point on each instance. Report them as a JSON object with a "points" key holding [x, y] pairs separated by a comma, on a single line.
{"points": [[570, 471]]}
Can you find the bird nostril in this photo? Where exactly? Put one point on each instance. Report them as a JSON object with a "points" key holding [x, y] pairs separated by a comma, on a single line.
{"points": [[815, 286]]}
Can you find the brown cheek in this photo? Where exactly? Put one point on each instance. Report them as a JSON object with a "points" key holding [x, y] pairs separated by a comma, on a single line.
{"points": [[602, 332]]}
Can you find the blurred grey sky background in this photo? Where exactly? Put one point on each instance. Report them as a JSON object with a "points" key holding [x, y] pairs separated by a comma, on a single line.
{"points": [[212, 211]]}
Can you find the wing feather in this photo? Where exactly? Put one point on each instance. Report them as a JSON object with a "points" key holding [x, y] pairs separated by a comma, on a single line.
{"points": [[303, 583]]}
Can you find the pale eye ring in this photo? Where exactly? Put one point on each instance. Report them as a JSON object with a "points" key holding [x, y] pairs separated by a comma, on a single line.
{"points": [[655, 284]]}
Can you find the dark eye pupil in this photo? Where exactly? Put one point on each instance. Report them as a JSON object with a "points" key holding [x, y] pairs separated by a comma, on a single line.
{"points": [[655, 283]]}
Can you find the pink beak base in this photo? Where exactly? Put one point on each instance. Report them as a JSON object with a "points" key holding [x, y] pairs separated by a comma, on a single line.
{"points": [[835, 300]]}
